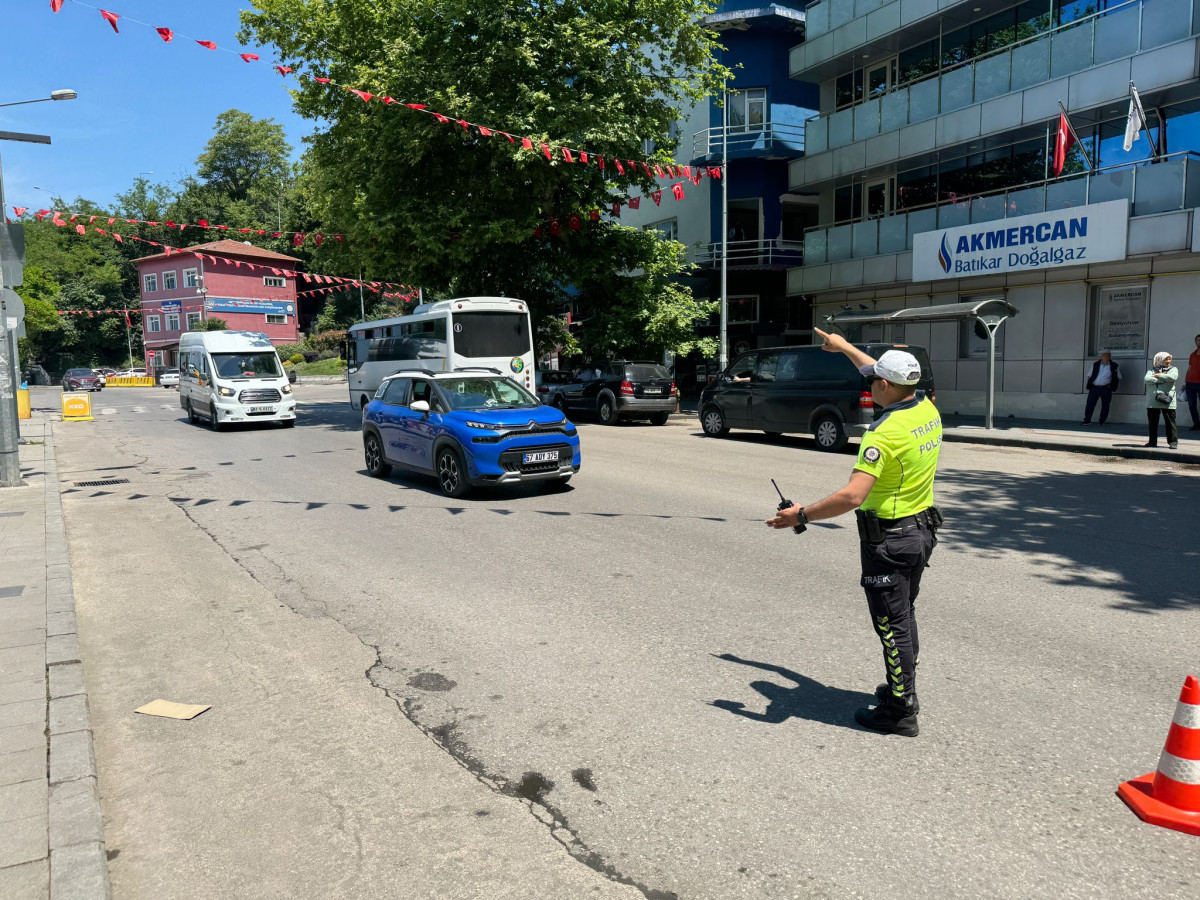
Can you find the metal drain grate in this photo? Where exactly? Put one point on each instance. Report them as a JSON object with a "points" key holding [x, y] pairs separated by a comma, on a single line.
{"points": [[106, 483]]}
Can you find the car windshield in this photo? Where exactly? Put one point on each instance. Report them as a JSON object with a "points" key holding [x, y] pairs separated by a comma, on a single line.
{"points": [[486, 393], [246, 365], [81, 372], [646, 372]]}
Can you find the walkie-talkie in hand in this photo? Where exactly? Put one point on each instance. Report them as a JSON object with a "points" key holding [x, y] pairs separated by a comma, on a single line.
{"points": [[784, 503]]}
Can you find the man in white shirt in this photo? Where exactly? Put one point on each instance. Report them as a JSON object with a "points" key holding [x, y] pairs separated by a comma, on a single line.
{"points": [[1104, 380]]}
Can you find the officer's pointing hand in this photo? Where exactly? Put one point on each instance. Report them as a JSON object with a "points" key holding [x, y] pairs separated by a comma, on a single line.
{"points": [[834, 343]]}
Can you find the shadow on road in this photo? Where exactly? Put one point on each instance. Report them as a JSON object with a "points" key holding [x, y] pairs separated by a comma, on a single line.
{"points": [[1127, 531], [336, 415], [809, 699]]}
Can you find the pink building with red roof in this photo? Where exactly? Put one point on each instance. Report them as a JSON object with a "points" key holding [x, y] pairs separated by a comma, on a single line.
{"points": [[248, 288]]}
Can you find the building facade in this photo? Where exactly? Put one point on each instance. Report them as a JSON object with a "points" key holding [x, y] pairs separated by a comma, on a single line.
{"points": [[764, 131], [933, 164], [248, 288]]}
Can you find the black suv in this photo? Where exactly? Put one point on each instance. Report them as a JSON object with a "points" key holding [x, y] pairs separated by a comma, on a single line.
{"points": [[783, 390], [619, 390]]}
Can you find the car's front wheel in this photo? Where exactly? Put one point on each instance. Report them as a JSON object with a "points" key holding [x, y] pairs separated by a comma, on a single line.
{"points": [[830, 433], [377, 466], [713, 422], [452, 473]]}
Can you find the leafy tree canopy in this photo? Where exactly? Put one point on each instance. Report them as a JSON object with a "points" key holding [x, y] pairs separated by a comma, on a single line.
{"points": [[454, 211]]}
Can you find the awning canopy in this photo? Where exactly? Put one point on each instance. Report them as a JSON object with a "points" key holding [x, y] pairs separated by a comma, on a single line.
{"points": [[945, 312]]}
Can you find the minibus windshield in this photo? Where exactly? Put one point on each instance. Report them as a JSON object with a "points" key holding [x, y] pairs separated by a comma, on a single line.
{"points": [[246, 365]]}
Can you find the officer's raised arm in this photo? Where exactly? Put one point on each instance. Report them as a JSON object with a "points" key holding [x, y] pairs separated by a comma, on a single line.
{"points": [[835, 343]]}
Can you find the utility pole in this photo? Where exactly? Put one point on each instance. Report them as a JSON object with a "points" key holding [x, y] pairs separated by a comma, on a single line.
{"points": [[10, 459], [723, 362]]}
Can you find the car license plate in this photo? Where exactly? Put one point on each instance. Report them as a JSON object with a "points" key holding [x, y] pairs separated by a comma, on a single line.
{"points": [[649, 391], [543, 456], [262, 409]]}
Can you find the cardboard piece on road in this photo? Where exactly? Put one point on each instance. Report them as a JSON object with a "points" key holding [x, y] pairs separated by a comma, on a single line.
{"points": [[169, 709]]}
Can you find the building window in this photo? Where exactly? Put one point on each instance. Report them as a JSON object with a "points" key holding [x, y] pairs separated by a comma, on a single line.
{"points": [[172, 321], [273, 319], [150, 283], [748, 109], [1118, 319], [168, 281], [152, 323], [668, 230], [189, 278], [193, 321], [743, 310], [273, 281]]}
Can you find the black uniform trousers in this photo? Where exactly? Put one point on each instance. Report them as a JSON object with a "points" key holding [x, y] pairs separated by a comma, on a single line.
{"points": [[891, 577]]}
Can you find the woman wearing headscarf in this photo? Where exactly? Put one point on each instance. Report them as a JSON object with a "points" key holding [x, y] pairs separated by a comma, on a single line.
{"points": [[1160, 386]]}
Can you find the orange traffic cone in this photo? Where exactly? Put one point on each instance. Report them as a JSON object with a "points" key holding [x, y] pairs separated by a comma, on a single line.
{"points": [[1170, 797]]}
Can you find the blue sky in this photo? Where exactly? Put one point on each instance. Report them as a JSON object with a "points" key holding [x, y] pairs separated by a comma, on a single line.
{"points": [[144, 105]]}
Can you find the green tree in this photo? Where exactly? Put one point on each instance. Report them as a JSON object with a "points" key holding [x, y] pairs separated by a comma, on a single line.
{"points": [[211, 324], [453, 210], [43, 325]]}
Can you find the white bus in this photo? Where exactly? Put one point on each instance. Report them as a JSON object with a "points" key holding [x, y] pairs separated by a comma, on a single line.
{"points": [[491, 332]]}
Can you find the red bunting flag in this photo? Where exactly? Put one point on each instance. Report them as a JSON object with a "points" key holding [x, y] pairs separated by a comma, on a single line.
{"points": [[696, 178], [583, 157], [485, 131], [657, 198], [594, 215], [555, 228], [526, 144], [118, 238], [283, 70], [319, 239], [677, 190], [573, 222], [20, 210], [546, 150], [297, 239], [321, 80], [620, 168], [41, 214], [635, 202], [127, 322], [466, 126], [616, 210], [646, 166], [55, 5], [362, 95], [203, 223], [111, 19], [208, 45], [658, 170], [80, 229], [166, 34], [567, 155], [415, 105], [687, 171], [388, 101], [249, 57], [443, 119], [601, 158]]}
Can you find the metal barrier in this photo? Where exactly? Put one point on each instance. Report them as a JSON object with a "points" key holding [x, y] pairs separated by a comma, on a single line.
{"points": [[146, 381]]}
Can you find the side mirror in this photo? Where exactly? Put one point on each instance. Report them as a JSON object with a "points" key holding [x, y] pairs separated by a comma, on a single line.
{"points": [[421, 406]]}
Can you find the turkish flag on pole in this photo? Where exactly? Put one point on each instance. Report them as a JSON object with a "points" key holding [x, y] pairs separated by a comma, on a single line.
{"points": [[127, 322], [1062, 145]]}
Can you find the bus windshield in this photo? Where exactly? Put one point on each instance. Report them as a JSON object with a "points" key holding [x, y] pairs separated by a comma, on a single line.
{"points": [[246, 365], [490, 334], [486, 393]]}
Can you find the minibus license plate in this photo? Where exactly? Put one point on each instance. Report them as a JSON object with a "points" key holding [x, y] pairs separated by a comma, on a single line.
{"points": [[543, 456], [262, 409]]}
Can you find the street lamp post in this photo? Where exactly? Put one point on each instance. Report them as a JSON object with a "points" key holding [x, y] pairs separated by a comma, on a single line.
{"points": [[10, 435]]}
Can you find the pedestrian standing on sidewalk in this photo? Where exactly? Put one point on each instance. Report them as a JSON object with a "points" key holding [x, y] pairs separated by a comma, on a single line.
{"points": [[1191, 384], [1160, 399], [891, 491], [1101, 385]]}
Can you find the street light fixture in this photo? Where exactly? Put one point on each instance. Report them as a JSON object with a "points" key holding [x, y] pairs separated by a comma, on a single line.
{"points": [[64, 94]]}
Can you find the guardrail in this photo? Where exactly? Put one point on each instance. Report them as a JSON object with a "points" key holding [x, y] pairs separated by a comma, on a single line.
{"points": [[1101, 37], [1165, 184], [777, 252], [130, 382]]}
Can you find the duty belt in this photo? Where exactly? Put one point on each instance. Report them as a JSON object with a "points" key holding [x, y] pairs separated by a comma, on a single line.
{"points": [[921, 518]]}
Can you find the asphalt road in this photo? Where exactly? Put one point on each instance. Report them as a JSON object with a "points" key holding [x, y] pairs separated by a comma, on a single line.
{"points": [[632, 688]]}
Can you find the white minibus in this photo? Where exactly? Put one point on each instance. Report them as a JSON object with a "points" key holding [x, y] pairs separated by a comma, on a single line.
{"points": [[233, 376]]}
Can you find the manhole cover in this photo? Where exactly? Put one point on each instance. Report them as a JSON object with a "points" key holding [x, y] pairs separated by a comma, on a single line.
{"points": [[106, 483]]}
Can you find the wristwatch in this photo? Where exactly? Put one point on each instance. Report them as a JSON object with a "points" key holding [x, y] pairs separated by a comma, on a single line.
{"points": [[801, 522]]}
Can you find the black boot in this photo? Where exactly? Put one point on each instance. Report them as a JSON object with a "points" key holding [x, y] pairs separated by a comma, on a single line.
{"points": [[891, 717], [883, 693]]}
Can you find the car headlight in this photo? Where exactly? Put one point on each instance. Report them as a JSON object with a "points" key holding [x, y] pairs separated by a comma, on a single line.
{"points": [[483, 425], [225, 392], [287, 389]]}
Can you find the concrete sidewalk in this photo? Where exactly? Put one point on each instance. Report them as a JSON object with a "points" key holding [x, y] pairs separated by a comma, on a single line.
{"points": [[51, 837]]}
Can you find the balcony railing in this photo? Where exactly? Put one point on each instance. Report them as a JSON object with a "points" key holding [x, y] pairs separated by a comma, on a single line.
{"points": [[1152, 186], [766, 139], [826, 15], [1104, 36], [776, 253]]}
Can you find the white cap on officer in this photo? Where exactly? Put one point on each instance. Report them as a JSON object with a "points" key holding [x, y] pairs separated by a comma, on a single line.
{"points": [[895, 366]]}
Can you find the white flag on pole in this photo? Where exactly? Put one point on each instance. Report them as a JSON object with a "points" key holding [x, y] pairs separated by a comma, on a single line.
{"points": [[1133, 122]]}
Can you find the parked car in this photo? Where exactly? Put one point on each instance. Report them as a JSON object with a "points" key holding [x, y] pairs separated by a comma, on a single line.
{"points": [[169, 378], [549, 383], [80, 380], [807, 390], [620, 390], [466, 428]]}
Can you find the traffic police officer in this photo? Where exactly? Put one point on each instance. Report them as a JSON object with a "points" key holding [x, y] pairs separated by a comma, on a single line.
{"points": [[891, 489]]}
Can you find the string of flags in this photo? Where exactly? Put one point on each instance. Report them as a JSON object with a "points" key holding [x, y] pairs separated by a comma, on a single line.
{"points": [[550, 150]]}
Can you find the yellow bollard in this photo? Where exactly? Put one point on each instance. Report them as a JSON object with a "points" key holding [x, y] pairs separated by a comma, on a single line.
{"points": [[24, 409], [76, 406]]}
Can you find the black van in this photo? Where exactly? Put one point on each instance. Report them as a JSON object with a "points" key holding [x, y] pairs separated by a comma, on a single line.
{"points": [[789, 390]]}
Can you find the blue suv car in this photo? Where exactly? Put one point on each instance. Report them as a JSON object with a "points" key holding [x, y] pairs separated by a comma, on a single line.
{"points": [[467, 427]]}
